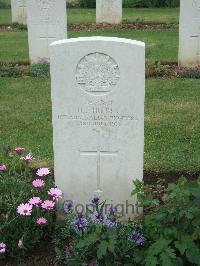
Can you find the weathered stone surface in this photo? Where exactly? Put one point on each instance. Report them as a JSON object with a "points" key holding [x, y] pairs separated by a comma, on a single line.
{"points": [[98, 86], [189, 33], [109, 11], [46, 23]]}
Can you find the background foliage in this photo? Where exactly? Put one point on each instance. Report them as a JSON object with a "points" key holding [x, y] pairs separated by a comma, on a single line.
{"points": [[135, 3], [4, 4]]}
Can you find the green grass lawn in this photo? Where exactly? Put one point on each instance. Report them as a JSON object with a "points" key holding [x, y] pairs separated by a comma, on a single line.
{"points": [[13, 46], [151, 15], [148, 15], [5, 16], [162, 45], [172, 115]]}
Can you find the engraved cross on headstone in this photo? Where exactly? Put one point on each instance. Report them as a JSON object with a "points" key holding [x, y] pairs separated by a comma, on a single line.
{"points": [[49, 38], [22, 6], [198, 40], [98, 153]]}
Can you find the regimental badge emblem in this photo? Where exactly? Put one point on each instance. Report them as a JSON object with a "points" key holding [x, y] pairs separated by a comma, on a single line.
{"points": [[97, 74]]}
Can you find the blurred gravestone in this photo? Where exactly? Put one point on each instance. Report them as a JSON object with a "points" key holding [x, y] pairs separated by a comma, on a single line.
{"points": [[189, 33], [109, 11], [47, 22], [18, 10]]}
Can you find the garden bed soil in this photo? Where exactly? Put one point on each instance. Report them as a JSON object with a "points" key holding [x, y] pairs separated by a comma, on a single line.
{"points": [[135, 26], [169, 177], [43, 255], [104, 26]]}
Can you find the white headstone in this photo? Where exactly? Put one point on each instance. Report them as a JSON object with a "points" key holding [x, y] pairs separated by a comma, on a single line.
{"points": [[47, 23], [109, 11], [98, 86], [18, 10], [189, 33]]}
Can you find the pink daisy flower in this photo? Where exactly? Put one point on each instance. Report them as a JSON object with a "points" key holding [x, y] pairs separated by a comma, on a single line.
{"points": [[28, 158], [48, 204], [24, 209], [19, 150], [38, 183], [43, 172], [3, 168], [41, 221], [2, 248], [35, 201], [56, 193]]}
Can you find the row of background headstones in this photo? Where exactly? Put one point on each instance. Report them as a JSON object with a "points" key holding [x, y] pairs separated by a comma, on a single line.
{"points": [[46, 22], [107, 11]]}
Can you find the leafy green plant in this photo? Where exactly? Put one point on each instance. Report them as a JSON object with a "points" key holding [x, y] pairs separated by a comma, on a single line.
{"points": [[87, 3], [134, 3], [40, 70], [19, 26], [4, 5], [150, 3], [97, 238], [172, 226]]}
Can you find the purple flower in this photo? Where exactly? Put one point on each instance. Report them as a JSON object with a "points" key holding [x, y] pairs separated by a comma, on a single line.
{"points": [[98, 217], [110, 222], [95, 200], [80, 223], [68, 206], [137, 238], [112, 211]]}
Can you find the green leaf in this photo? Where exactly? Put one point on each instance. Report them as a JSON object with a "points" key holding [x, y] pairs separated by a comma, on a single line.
{"points": [[138, 256], [159, 246], [111, 246], [166, 261], [181, 245], [102, 248], [89, 240], [151, 261], [193, 253]]}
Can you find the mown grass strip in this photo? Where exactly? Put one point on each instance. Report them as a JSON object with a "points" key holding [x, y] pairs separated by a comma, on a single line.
{"points": [[172, 112]]}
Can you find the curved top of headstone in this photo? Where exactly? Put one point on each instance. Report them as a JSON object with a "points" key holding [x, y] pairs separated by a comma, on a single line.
{"points": [[99, 38]]}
